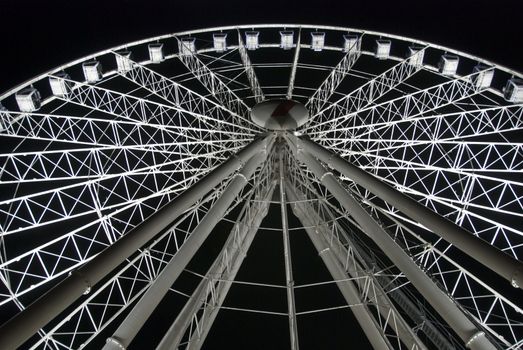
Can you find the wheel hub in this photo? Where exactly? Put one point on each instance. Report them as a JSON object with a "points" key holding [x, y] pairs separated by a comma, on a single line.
{"points": [[280, 114]]}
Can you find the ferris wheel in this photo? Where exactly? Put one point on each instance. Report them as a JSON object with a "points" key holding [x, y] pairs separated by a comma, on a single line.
{"points": [[140, 178]]}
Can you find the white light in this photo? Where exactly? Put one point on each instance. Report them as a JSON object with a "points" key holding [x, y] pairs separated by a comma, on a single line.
{"points": [[123, 61], [156, 52], [448, 64], [318, 41], [416, 55], [382, 49], [513, 91], [3, 122], [287, 40], [484, 76], [28, 100], [92, 71], [186, 46], [220, 42], [59, 86], [352, 43], [251, 40]]}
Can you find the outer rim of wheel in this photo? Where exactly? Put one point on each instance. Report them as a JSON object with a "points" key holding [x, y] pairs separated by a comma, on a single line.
{"points": [[17, 88]]}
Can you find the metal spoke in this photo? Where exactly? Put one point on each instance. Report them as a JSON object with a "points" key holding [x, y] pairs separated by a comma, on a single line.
{"points": [[89, 163], [73, 200], [213, 84], [183, 98], [404, 107], [371, 91], [140, 110], [444, 126], [290, 87], [249, 71], [333, 80]]}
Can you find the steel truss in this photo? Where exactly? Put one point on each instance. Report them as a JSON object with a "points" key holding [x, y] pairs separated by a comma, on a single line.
{"points": [[249, 70], [406, 180]]}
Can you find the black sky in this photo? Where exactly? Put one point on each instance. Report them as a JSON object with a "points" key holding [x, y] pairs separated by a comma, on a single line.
{"points": [[39, 35]]}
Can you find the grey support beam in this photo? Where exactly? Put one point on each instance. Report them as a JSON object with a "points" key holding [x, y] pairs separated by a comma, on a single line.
{"points": [[347, 288], [472, 337], [358, 267], [290, 88], [249, 71], [135, 320], [480, 250], [197, 340], [27, 323], [291, 305], [235, 250]]}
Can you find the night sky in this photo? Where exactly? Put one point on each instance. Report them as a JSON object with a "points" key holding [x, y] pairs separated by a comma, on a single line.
{"points": [[40, 35]]}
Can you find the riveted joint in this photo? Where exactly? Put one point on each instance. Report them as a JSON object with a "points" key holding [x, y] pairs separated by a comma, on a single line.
{"points": [[325, 174], [516, 277], [87, 284], [329, 160], [242, 163], [115, 341], [474, 338], [87, 290], [241, 175], [323, 251]]}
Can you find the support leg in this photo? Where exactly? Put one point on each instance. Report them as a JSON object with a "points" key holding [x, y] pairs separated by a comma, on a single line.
{"points": [[25, 324], [449, 311], [347, 288], [134, 321], [480, 250], [356, 268], [235, 249], [293, 327]]}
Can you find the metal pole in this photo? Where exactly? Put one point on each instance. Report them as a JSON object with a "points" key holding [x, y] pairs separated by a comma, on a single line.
{"points": [[134, 321], [449, 311], [347, 287], [25, 324], [247, 231], [290, 88], [197, 340], [291, 305], [480, 250], [311, 218]]}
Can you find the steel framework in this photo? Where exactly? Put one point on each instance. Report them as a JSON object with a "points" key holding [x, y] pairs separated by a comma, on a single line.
{"points": [[407, 181]]}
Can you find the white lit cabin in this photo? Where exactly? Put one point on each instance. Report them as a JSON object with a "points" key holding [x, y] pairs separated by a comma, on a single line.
{"points": [[415, 55], [448, 64], [252, 40], [287, 40], [156, 52], [220, 42], [317, 41], [382, 49], [351, 43], [60, 86], [92, 71], [187, 46], [483, 77], [123, 61], [28, 99], [513, 91]]}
